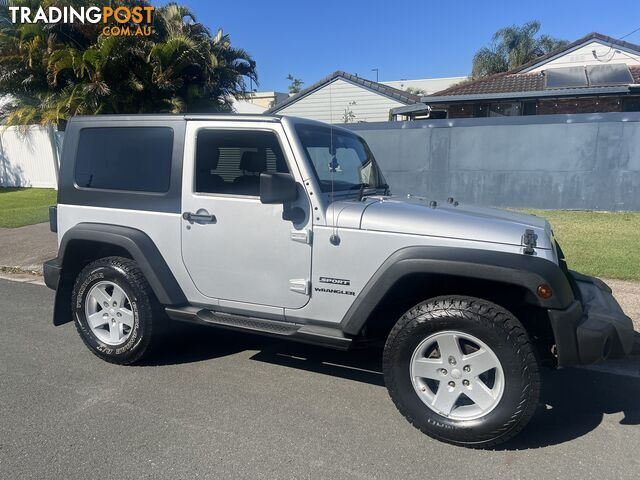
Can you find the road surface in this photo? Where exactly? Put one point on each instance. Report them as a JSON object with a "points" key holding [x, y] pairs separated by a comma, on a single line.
{"points": [[216, 404]]}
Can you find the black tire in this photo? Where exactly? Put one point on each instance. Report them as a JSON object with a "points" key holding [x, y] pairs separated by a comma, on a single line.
{"points": [[501, 332], [148, 322]]}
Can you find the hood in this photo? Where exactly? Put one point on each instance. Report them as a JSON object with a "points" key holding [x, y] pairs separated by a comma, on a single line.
{"points": [[445, 220]]}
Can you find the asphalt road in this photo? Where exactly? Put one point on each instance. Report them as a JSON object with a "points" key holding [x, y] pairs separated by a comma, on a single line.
{"points": [[215, 404]]}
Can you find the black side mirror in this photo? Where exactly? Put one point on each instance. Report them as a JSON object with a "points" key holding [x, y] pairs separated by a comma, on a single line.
{"points": [[277, 188]]}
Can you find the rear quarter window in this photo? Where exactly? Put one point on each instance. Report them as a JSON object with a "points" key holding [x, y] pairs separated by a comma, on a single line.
{"points": [[124, 158]]}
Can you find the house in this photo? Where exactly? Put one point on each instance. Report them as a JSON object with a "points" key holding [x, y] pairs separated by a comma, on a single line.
{"points": [[242, 105], [266, 99], [425, 86], [591, 75], [345, 98]]}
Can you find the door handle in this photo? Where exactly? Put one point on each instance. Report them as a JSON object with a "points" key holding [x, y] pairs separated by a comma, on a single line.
{"points": [[199, 217]]}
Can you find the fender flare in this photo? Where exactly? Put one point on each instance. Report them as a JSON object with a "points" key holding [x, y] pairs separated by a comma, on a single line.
{"points": [[509, 268], [137, 243]]}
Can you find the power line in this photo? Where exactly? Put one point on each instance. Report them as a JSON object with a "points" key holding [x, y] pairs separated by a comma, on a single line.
{"points": [[630, 33], [598, 57]]}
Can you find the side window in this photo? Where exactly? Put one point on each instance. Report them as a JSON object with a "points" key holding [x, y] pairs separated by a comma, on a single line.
{"points": [[125, 158], [231, 162]]}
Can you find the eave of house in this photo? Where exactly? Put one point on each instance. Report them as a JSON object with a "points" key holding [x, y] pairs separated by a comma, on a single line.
{"points": [[553, 93]]}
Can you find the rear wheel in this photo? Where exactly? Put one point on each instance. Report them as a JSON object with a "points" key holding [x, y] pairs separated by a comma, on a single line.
{"points": [[462, 370], [113, 309]]}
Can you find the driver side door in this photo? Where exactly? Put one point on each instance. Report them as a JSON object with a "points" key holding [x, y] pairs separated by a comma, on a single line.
{"points": [[234, 247]]}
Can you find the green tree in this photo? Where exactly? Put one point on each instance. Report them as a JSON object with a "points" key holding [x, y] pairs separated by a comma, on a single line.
{"points": [[512, 47], [348, 116], [416, 91], [54, 71], [296, 84]]}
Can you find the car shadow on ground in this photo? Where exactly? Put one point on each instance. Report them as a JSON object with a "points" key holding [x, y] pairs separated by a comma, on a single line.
{"points": [[188, 343], [573, 401]]}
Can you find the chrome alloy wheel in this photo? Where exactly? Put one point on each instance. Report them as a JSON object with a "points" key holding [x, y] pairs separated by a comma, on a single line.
{"points": [[457, 375], [109, 313]]}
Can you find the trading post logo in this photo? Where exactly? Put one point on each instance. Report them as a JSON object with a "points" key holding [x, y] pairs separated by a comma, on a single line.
{"points": [[120, 21]]}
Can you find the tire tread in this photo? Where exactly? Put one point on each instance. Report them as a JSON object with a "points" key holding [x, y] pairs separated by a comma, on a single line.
{"points": [[147, 305], [493, 316]]}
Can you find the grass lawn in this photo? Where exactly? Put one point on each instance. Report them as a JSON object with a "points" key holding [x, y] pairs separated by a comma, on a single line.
{"points": [[25, 206], [603, 244]]}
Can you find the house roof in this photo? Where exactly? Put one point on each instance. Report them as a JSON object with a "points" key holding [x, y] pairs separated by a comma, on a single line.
{"points": [[518, 80], [514, 84], [385, 90]]}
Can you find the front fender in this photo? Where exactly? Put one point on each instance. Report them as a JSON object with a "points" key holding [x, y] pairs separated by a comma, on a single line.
{"points": [[515, 269]]}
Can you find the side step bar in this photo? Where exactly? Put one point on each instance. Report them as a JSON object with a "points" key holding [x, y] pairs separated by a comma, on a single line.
{"points": [[313, 334]]}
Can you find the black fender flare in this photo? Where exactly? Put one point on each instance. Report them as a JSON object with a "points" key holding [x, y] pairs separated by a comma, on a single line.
{"points": [[139, 246], [515, 269]]}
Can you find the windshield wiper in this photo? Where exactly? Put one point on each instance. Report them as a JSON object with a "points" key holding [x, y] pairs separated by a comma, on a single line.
{"points": [[361, 187], [361, 192]]}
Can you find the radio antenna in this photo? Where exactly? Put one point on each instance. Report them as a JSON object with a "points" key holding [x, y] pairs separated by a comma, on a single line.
{"points": [[333, 164]]}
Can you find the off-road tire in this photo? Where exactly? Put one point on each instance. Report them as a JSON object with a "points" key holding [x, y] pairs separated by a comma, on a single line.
{"points": [[149, 322], [497, 328]]}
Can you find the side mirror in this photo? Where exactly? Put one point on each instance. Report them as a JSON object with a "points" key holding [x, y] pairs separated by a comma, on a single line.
{"points": [[277, 188]]}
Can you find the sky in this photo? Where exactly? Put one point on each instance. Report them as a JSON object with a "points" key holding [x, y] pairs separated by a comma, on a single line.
{"points": [[404, 40]]}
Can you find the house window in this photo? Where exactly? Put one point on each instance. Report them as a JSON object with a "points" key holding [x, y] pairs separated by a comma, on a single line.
{"points": [[480, 110], [505, 109], [631, 104], [530, 107], [435, 114]]}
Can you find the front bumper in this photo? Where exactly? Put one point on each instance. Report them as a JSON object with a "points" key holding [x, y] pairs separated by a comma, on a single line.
{"points": [[593, 328]]}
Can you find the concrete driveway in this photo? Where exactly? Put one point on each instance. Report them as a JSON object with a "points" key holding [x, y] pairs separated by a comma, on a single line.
{"points": [[27, 248], [214, 404]]}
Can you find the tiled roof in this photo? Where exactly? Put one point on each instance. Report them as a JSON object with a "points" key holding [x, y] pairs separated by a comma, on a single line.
{"points": [[499, 83], [394, 93], [510, 82]]}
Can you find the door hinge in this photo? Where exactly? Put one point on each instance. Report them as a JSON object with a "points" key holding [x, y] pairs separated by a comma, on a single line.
{"points": [[302, 236], [300, 285]]}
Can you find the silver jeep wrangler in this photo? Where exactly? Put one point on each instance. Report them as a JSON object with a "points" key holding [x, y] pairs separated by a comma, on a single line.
{"points": [[286, 227]]}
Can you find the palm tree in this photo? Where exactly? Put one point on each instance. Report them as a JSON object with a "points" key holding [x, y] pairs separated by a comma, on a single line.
{"points": [[512, 47], [53, 72]]}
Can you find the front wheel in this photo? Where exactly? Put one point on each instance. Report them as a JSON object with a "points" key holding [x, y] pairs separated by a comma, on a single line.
{"points": [[462, 370]]}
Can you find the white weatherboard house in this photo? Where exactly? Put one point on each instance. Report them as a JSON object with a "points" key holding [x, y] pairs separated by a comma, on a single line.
{"points": [[426, 86], [591, 49], [345, 98]]}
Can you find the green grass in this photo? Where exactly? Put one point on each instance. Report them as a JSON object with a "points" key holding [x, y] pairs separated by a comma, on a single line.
{"points": [[603, 244], [25, 206]]}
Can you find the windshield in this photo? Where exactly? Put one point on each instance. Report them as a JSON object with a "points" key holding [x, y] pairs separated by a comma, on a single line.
{"points": [[341, 157]]}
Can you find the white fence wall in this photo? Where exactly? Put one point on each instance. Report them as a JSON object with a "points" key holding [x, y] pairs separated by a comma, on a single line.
{"points": [[28, 158]]}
